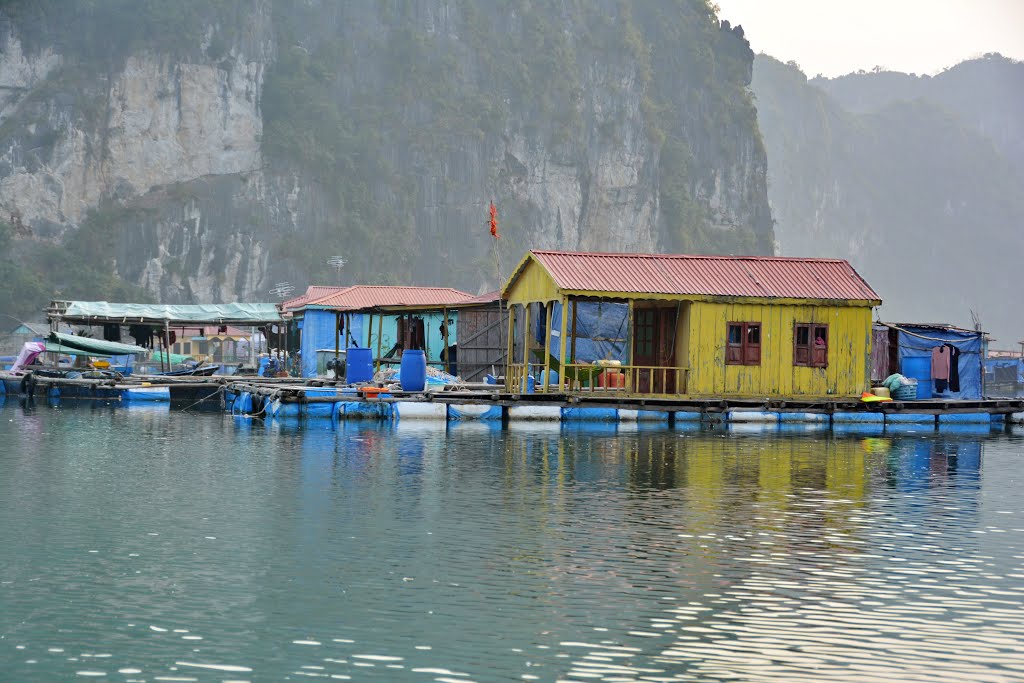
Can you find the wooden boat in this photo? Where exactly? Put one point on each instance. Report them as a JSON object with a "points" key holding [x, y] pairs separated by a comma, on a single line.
{"points": [[202, 371]]}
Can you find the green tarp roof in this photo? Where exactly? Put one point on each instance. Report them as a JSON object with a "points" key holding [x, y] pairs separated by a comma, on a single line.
{"points": [[175, 358], [95, 346], [51, 347], [158, 314]]}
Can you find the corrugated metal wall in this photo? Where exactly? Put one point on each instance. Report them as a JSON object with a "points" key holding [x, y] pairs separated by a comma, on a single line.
{"points": [[848, 352]]}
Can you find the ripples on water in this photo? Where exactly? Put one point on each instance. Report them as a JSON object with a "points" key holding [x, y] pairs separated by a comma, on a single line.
{"points": [[144, 545]]}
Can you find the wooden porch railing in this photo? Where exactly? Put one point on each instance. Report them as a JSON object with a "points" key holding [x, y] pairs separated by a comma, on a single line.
{"points": [[597, 380]]}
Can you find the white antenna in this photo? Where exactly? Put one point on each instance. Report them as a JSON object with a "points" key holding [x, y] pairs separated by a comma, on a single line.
{"points": [[976, 320], [337, 262], [282, 289]]}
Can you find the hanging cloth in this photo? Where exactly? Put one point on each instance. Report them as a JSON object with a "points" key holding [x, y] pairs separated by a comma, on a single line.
{"points": [[954, 367], [940, 367], [112, 333], [142, 334]]}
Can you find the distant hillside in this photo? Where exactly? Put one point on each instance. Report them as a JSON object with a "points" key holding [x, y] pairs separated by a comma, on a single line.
{"points": [[987, 94], [922, 193]]}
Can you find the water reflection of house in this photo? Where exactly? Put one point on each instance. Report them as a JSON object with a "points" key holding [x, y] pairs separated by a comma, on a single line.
{"points": [[690, 325]]}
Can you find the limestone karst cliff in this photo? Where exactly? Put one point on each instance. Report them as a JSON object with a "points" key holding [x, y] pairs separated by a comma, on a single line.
{"points": [[206, 150]]}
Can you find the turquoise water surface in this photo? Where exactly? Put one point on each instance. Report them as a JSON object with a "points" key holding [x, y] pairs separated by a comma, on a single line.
{"points": [[146, 545]]}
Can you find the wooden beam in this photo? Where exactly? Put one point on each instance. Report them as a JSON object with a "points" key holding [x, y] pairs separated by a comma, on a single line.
{"points": [[380, 334], [509, 345], [572, 353], [546, 378], [444, 337], [561, 342], [337, 341], [629, 346], [527, 338]]}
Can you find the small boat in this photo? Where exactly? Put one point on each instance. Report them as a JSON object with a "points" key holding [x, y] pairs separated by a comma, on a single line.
{"points": [[202, 371]]}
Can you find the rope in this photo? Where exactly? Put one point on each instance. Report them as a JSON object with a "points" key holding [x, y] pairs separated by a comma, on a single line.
{"points": [[921, 336], [220, 389]]}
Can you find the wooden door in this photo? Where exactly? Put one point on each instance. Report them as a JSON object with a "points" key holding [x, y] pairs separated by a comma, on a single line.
{"points": [[654, 342]]}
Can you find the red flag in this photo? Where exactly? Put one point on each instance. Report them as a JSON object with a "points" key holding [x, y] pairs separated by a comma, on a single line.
{"points": [[494, 221]]}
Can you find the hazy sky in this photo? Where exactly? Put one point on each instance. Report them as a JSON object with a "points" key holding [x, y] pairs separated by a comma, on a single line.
{"points": [[835, 37]]}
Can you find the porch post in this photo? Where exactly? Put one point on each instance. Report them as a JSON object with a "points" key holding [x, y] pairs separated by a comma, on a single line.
{"points": [[509, 344], [337, 341], [444, 338], [550, 306], [572, 354], [527, 338], [167, 344], [380, 333], [562, 374], [629, 346]]}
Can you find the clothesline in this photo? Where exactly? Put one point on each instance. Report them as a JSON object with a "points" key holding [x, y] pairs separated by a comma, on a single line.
{"points": [[921, 336], [929, 348]]}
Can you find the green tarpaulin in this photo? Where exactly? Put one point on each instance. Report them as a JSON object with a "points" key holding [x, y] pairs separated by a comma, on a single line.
{"points": [[173, 314], [68, 351], [95, 346], [176, 358]]}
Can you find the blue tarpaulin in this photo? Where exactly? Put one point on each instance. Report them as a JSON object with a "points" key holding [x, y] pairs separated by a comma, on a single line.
{"points": [[602, 331], [318, 333], [1004, 377], [918, 342]]}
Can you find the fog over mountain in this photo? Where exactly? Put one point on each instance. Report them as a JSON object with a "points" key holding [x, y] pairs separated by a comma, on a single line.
{"points": [[916, 180]]}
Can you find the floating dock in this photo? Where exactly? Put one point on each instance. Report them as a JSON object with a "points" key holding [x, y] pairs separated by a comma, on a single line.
{"points": [[273, 398], [343, 403]]}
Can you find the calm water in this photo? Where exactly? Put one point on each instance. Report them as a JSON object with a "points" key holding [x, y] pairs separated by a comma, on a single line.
{"points": [[146, 545]]}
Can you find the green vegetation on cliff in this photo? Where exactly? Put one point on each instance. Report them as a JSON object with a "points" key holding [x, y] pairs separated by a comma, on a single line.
{"points": [[338, 105], [33, 273], [387, 126]]}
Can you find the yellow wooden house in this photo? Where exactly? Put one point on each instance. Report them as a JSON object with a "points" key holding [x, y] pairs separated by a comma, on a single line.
{"points": [[693, 326]]}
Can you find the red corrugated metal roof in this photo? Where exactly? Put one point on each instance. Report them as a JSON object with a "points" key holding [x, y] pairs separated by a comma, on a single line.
{"points": [[752, 276], [486, 298], [375, 296], [312, 293]]}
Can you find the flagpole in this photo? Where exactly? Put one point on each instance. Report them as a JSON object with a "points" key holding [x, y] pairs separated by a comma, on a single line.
{"points": [[497, 261]]}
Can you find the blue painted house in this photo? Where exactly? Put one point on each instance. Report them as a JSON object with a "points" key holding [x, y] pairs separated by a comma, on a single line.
{"points": [[385, 319]]}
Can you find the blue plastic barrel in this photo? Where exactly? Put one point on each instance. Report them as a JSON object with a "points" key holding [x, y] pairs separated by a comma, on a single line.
{"points": [[919, 368], [358, 365], [413, 373]]}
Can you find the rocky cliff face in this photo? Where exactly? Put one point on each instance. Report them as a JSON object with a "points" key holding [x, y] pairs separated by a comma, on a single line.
{"points": [[278, 133]]}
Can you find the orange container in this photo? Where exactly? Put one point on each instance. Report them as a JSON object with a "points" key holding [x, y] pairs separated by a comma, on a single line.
{"points": [[611, 379]]}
